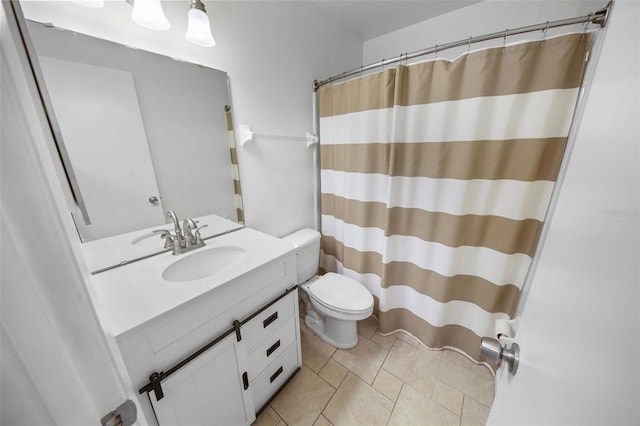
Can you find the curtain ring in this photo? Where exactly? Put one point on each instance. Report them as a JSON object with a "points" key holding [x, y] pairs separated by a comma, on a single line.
{"points": [[469, 45], [544, 34], [504, 38], [436, 52], [587, 22], [406, 58]]}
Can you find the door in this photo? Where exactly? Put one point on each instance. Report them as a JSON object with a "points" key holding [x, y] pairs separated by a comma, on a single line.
{"points": [[55, 363], [102, 128], [579, 331], [207, 391]]}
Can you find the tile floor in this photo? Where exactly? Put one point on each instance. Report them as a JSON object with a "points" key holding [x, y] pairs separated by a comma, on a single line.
{"points": [[384, 380]]}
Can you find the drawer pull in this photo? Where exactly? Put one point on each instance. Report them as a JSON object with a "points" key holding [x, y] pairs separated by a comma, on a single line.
{"points": [[273, 347], [245, 380], [276, 374], [270, 319]]}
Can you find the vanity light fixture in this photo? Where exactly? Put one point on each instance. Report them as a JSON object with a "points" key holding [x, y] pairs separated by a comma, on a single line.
{"points": [[149, 14], [198, 27]]}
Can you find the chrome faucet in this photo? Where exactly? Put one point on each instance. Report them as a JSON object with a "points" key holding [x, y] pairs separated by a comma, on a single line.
{"points": [[176, 225], [191, 232], [186, 239], [187, 226]]}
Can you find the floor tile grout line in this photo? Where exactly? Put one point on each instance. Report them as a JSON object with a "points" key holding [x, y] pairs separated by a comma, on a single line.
{"points": [[463, 404], [372, 341], [378, 372], [443, 406], [325, 406], [476, 400], [356, 374], [362, 379], [329, 401], [395, 404], [323, 379], [341, 380]]}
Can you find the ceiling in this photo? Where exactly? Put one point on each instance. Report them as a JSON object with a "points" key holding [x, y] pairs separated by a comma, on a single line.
{"points": [[368, 19]]}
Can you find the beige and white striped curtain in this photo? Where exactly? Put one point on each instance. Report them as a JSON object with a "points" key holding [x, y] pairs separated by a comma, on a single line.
{"points": [[436, 178]]}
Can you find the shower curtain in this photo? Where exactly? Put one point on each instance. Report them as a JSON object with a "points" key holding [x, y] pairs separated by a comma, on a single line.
{"points": [[436, 178]]}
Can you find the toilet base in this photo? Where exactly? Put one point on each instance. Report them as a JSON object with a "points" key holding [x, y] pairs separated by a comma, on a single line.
{"points": [[342, 334]]}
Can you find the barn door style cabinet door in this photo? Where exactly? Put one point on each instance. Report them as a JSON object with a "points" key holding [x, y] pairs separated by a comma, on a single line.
{"points": [[209, 390]]}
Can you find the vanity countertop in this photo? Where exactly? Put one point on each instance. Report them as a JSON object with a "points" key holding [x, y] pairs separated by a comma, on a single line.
{"points": [[130, 296], [107, 252]]}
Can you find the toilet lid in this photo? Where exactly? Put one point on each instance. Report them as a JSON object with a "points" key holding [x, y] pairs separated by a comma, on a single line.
{"points": [[339, 292]]}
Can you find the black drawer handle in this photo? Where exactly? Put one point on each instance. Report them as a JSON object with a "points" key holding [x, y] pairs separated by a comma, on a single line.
{"points": [[270, 319], [245, 381], [273, 347], [276, 374]]}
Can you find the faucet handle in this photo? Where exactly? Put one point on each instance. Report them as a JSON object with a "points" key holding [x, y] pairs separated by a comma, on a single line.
{"points": [[149, 234], [169, 239], [197, 229], [197, 233]]}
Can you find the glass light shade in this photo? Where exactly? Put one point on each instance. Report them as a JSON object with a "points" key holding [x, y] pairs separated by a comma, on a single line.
{"points": [[198, 29], [90, 3], [149, 14]]}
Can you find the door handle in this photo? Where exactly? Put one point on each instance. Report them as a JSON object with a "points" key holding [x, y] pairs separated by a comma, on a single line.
{"points": [[493, 351]]}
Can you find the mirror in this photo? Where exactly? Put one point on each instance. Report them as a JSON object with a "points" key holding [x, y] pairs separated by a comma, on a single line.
{"points": [[144, 133]]}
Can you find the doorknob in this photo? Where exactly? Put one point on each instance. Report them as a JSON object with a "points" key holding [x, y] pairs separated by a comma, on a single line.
{"points": [[493, 351]]}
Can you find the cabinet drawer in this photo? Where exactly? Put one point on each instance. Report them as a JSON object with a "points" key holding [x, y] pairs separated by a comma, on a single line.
{"points": [[270, 348], [274, 377], [268, 321]]}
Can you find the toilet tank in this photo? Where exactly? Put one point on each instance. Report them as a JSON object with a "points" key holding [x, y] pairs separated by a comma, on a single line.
{"points": [[307, 244]]}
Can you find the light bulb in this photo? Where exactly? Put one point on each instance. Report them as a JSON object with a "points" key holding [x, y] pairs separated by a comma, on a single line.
{"points": [[198, 27], [149, 14]]}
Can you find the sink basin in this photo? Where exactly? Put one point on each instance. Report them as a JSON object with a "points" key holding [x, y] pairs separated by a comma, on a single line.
{"points": [[203, 263]]}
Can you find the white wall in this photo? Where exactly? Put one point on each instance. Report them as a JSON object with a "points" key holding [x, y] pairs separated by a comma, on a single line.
{"points": [[486, 17], [272, 50]]}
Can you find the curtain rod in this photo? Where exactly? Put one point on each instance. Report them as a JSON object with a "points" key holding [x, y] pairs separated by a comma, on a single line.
{"points": [[598, 17]]}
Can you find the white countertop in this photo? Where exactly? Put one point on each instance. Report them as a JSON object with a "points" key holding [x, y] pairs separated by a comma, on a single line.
{"points": [[131, 295], [111, 251]]}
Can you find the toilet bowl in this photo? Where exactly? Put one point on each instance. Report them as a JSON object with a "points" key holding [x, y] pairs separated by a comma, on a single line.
{"points": [[337, 303], [334, 302]]}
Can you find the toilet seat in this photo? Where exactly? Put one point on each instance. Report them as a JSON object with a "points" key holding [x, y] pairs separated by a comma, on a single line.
{"points": [[342, 294]]}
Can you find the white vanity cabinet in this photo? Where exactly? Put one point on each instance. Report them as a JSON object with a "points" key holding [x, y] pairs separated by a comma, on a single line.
{"points": [[244, 329], [233, 379]]}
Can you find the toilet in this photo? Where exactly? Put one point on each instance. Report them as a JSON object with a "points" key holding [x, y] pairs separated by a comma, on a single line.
{"points": [[333, 302]]}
